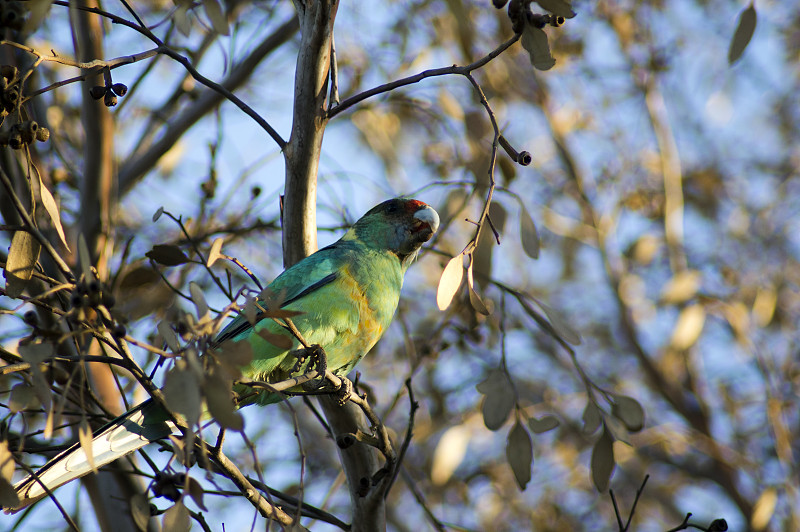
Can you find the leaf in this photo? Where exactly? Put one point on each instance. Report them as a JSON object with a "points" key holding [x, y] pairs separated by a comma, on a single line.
{"points": [[21, 398], [195, 491], [450, 282], [140, 510], [182, 394], [744, 32], [629, 411], [176, 518], [169, 336], [528, 234], [22, 257], [214, 253], [8, 495], [519, 453], [449, 453], [37, 11], [499, 399], [278, 340], [167, 254], [181, 19], [534, 40], [85, 437], [217, 17], [199, 300], [688, 327], [474, 299], [557, 7], [52, 209], [682, 287], [603, 462], [158, 213], [34, 354], [763, 509], [591, 418], [85, 259], [543, 424], [559, 324], [220, 402]]}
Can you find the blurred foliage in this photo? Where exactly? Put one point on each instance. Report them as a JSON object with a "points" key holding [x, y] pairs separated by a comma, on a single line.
{"points": [[663, 188]]}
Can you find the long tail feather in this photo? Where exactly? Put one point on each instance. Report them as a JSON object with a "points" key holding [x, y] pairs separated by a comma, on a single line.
{"points": [[133, 430]]}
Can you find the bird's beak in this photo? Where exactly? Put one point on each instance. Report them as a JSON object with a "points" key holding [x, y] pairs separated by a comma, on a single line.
{"points": [[426, 223]]}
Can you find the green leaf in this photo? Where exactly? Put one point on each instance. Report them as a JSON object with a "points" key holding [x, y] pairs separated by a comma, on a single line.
{"points": [[534, 40], [519, 453], [591, 418], [217, 16], [744, 32], [557, 7], [199, 300], [220, 402], [167, 254], [543, 424], [182, 394], [450, 282], [195, 491], [176, 519], [603, 462], [560, 325], [499, 399], [629, 411], [528, 234]]}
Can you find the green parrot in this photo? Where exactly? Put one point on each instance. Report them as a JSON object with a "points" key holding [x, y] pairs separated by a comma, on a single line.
{"points": [[347, 294]]}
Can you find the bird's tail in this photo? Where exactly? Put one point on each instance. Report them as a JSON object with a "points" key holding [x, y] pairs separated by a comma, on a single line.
{"points": [[133, 430]]}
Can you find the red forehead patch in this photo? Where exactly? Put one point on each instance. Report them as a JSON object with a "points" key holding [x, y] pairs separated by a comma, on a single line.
{"points": [[415, 205]]}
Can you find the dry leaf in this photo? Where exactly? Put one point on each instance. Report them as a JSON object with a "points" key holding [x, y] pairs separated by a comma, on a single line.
{"points": [[449, 453], [519, 453], [682, 287], [763, 509], [688, 327], [450, 282]]}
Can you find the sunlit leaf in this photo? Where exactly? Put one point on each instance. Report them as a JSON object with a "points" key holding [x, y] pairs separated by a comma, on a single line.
{"points": [[682, 287], [182, 393], [764, 509], [557, 7], [85, 437], [744, 32], [629, 411], [449, 453], [21, 262], [449, 282], [528, 234], [543, 424], [534, 40], [167, 254], [51, 207], [214, 252], [519, 453], [176, 518], [217, 17], [688, 327], [8, 495], [602, 462]]}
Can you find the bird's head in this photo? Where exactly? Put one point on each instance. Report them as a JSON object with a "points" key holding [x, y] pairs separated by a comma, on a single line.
{"points": [[397, 225]]}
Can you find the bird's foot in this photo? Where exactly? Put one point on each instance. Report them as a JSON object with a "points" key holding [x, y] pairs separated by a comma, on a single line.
{"points": [[344, 392]]}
